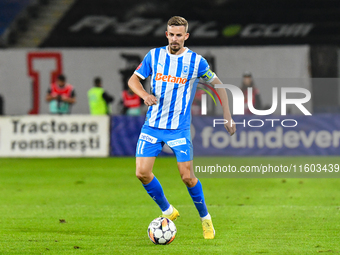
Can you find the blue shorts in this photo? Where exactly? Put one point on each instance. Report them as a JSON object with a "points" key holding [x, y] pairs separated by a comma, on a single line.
{"points": [[151, 141]]}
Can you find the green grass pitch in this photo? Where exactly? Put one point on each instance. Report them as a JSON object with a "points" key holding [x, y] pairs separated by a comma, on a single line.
{"points": [[107, 211]]}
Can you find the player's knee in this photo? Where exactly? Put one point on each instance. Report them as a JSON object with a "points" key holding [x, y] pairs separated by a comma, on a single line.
{"points": [[140, 174], [143, 175], [189, 181], [144, 178]]}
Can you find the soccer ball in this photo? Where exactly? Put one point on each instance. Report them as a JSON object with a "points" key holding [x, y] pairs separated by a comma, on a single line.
{"points": [[162, 231]]}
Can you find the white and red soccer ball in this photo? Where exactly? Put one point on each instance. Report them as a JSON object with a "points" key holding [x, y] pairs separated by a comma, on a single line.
{"points": [[162, 231]]}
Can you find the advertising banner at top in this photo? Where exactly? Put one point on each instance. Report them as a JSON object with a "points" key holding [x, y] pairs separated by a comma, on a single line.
{"points": [[106, 23]]}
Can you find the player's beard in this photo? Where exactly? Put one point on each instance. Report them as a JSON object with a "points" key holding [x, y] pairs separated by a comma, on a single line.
{"points": [[175, 47]]}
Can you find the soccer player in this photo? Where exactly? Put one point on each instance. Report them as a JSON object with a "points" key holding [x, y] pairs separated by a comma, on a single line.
{"points": [[175, 71]]}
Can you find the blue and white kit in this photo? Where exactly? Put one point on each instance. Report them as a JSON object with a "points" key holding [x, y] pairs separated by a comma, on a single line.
{"points": [[174, 80]]}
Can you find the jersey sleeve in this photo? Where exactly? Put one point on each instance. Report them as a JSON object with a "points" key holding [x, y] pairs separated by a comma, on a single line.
{"points": [[204, 71], [144, 69]]}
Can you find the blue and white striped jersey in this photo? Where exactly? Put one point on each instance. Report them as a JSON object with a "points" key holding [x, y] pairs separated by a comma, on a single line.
{"points": [[174, 80]]}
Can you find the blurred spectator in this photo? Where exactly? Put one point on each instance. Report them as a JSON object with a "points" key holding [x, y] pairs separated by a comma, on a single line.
{"points": [[99, 99], [61, 96], [131, 103], [248, 82]]}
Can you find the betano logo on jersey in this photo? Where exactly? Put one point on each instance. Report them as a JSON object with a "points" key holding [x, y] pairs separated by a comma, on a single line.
{"points": [[170, 78]]}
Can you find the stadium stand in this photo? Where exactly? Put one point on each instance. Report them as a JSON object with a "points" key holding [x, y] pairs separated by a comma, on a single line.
{"points": [[9, 10], [48, 16], [14, 18], [105, 23], [24, 24], [94, 23]]}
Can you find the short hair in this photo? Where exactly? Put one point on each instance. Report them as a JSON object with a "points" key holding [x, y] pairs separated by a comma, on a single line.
{"points": [[178, 21], [247, 74], [97, 81], [61, 77]]}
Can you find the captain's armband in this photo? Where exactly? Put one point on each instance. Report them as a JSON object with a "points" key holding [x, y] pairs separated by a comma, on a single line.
{"points": [[208, 76]]}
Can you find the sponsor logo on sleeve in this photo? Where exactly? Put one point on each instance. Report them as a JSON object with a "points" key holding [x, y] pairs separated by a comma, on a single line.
{"points": [[140, 65]]}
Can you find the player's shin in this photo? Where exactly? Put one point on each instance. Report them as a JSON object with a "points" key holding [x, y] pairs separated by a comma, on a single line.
{"points": [[155, 191], [197, 196]]}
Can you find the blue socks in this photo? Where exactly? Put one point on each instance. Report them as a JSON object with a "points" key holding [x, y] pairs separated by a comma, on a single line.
{"points": [[197, 196], [155, 191]]}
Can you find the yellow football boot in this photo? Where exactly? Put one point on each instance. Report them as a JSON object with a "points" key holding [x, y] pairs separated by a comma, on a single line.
{"points": [[172, 216], [208, 229]]}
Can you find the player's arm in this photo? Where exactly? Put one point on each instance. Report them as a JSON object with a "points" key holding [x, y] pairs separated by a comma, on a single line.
{"points": [[230, 126], [136, 86], [143, 71], [210, 77]]}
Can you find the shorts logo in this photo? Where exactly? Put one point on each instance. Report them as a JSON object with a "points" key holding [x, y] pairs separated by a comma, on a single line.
{"points": [[185, 69], [148, 138], [176, 142]]}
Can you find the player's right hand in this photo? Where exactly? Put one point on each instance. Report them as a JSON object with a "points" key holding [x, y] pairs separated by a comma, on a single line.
{"points": [[150, 100], [230, 127]]}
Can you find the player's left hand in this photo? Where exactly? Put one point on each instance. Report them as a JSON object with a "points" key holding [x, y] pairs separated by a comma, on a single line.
{"points": [[230, 127], [150, 100]]}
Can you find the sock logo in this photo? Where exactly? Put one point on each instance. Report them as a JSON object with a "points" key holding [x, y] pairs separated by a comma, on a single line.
{"points": [[201, 202]]}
